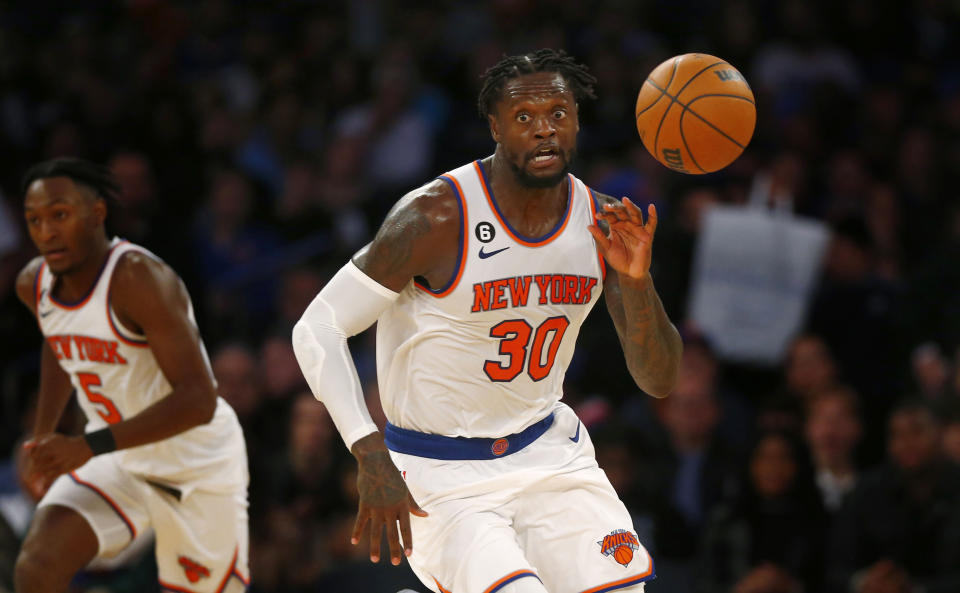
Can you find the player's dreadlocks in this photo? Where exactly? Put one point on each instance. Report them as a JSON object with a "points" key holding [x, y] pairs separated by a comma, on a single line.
{"points": [[541, 60], [91, 175]]}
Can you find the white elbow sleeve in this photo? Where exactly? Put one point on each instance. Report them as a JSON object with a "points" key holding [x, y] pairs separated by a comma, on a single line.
{"points": [[350, 303]]}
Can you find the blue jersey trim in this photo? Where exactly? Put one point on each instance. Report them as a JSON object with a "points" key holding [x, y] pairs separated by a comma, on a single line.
{"points": [[83, 300], [625, 584], [520, 575], [506, 223]]}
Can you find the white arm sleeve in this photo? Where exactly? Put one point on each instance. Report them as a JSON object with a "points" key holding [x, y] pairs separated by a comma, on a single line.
{"points": [[350, 303]]}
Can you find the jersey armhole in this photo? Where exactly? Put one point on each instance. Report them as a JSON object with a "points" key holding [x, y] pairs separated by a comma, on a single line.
{"points": [[461, 245], [122, 333], [594, 208]]}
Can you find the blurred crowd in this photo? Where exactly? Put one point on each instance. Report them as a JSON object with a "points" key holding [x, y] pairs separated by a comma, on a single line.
{"points": [[259, 144]]}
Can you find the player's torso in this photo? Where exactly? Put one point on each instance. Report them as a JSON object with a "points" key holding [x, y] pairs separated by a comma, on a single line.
{"points": [[116, 376], [112, 369], [486, 355]]}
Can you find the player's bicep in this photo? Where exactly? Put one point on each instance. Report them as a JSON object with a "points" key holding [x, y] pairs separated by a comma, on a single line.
{"points": [[151, 296], [418, 233]]}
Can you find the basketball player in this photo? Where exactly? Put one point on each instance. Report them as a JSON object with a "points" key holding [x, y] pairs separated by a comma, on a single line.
{"points": [[479, 281], [161, 449]]}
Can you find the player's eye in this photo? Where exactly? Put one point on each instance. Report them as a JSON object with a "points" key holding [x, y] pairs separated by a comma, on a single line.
{"points": [[559, 114], [523, 118]]}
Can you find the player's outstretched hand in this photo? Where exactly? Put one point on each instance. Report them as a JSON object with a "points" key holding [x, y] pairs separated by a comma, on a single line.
{"points": [[53, 454], [384, 500], [628, 246]]}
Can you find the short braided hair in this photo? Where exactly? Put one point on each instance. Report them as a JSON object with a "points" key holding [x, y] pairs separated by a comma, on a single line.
{"points": [[541, 60], [95, 177]]}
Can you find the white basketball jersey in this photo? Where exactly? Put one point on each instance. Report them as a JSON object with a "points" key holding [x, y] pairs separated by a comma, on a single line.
{"points": [[485, 355], [116, 376]]}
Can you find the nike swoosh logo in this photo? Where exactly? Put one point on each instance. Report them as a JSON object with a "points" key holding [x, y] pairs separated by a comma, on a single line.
{"points": [[485, 255], [45, 313], [576, 437]]}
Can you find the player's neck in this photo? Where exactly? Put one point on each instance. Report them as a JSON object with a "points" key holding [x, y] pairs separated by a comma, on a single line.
{"points": [[520, 202], [77, 282]]}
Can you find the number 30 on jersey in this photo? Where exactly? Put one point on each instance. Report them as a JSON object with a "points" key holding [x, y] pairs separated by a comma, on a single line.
{"points": [[516, 343]]}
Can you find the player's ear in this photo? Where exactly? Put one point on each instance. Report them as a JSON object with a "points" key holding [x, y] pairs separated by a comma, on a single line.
{"points": [[100, 210], [494, 128]]}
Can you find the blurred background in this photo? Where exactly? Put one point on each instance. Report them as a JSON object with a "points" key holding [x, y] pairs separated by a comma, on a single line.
{"points": [[258, 145]]}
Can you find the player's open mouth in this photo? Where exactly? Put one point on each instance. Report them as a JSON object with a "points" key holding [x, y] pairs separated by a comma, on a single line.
{"points": [[545, 156]]}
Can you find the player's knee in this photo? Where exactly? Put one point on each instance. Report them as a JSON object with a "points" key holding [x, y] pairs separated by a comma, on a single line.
{"points": [[524, 585], [36, 572]]}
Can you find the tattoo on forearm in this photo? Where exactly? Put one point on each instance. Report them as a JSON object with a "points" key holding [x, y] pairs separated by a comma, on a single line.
{"points": [[650, 340]]}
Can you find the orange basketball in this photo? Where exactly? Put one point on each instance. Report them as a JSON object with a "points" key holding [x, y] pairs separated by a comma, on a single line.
{"points": [[695, 113], [623, 555]]}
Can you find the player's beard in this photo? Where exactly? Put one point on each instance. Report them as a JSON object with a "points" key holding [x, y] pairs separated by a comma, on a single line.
{"points": [[527, 180]]}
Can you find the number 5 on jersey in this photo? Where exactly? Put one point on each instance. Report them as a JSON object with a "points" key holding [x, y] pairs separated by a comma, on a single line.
{"points": [[515, 341], [109, 411]]}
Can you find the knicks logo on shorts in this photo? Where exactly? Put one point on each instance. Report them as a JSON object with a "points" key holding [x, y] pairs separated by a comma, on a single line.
{"points": [[500, 447], [620, 543], [194, 570]]}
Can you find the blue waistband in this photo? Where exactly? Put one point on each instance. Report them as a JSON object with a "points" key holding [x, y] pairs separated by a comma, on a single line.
{"points": [[435, 446]]}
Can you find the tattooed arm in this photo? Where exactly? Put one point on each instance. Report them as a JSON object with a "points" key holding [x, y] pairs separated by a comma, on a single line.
{"points": [[418, 238], [651, 344]]}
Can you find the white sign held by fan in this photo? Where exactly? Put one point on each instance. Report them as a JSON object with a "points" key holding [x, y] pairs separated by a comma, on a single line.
{"points": [[754, 271]]}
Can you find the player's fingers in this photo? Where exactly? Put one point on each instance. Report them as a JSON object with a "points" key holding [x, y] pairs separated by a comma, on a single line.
{"points": [[610, 219], [636, 216], [600, 237], [618, 211], [651, 219], [414, 507], [38, 487], [49, 476], [362, 518], [405, 531], [376, 532], [393, 538]]}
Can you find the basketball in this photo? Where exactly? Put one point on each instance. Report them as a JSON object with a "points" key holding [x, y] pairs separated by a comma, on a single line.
{"points": [[695, 113], [623, 555]]}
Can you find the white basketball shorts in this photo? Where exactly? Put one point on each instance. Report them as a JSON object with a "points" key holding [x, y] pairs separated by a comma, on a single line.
{"points": [[201, 538], [546, 512]]}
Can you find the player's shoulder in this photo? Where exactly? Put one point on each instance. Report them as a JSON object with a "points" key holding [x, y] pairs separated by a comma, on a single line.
{"points": [[26, 281], [435, 200], [429, 210], [416, 237], [138, 271]]}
